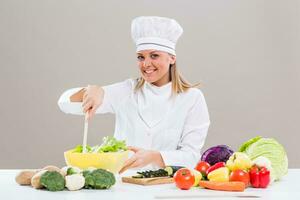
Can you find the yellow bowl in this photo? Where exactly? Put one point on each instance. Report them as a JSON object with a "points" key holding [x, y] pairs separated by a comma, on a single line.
{"points": [[111, 161]]}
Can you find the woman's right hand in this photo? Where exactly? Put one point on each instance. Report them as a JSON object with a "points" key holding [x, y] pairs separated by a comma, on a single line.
{"points": [[92, 99]]}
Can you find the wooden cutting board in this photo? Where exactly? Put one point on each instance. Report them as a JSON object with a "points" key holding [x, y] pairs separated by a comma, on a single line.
{"points": [[148, 181]]}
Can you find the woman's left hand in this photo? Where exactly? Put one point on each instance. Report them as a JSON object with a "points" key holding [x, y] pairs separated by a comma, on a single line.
{"points": [[141, 158]]}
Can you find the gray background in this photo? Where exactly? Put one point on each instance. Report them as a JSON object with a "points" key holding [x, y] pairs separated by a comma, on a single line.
{"points": [[246, 54]]}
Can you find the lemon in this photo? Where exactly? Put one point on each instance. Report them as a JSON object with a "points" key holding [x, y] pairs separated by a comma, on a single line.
{"points": [[198, 177]]}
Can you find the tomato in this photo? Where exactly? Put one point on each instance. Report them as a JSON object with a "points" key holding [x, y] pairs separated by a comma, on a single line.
{"points": [[184, 178], [202, 167], [240, 175]]}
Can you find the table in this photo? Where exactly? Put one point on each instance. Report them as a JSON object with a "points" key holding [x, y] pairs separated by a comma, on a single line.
{"points": [[287, 187]]}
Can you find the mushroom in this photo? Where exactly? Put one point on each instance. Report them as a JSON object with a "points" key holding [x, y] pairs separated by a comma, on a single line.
{"points": [[24, 176]]}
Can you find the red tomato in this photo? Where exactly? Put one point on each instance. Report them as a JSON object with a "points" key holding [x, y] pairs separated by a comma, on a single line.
{"points": [[184, 179], [240, 175], [202, 167]]}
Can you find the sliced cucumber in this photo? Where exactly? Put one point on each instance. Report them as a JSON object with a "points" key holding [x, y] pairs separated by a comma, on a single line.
{"points": [[151, 174], [138, 176], [169, 170], [172, 169]]}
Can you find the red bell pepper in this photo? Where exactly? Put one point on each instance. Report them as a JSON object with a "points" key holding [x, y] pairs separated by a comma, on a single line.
{"points": [[259, 177], [215, 166]]}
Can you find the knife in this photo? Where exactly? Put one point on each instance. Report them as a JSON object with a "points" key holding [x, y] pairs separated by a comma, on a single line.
{"points": [[206, 196]]}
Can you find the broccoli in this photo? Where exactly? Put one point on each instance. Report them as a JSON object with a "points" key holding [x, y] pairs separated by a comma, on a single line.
{"points": [[53, 181], [99, 179]]}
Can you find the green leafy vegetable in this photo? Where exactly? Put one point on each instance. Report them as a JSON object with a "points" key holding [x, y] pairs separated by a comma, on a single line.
{"points": [[111, 144], [79, 149], [271, 149], [248, 143], [99, 179], [53, 181]]}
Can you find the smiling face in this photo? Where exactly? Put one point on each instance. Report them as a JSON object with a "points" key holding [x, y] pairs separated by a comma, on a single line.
{"points": [[154, 66]]}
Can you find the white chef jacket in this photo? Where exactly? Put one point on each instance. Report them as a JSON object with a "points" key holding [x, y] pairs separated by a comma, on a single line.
{"points": [[152, 119]]}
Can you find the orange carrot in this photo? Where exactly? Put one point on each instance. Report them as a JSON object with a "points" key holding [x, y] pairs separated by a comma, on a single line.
{"points": [[224, 186]]}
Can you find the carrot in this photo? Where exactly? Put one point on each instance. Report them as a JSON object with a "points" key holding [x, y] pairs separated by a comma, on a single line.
{"points": [[224, 186]]}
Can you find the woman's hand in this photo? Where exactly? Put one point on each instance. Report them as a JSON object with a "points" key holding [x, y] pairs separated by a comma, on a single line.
{"points": [[92, 99], [141, 158]]}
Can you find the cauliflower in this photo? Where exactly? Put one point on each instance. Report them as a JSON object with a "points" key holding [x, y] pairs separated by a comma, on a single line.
{"points": [[75, 182]]}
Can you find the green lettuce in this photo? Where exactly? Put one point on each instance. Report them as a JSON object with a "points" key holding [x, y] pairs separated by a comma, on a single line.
{"points": [[271, 149], [111, 144], [79, 149]]}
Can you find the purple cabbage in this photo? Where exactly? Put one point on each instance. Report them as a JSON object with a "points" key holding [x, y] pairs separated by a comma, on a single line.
{"points": [[219, 153]]}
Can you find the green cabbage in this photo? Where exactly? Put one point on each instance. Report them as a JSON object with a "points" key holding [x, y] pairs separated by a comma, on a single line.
{"points": [[269, 148]]}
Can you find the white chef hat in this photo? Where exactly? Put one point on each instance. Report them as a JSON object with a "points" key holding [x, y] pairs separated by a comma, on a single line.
{"points": [[152, 32]]}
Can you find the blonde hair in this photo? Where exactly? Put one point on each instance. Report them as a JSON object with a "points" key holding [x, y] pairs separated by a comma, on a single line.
{"points": [[179, 84]]}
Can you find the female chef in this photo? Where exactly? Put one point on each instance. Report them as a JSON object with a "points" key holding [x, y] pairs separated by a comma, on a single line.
{"points": [[162, 117]]}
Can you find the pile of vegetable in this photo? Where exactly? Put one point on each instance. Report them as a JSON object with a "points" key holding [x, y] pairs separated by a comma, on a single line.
{"points": [[53, 178], [262, 149], [109, 144], [258, 163]]}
